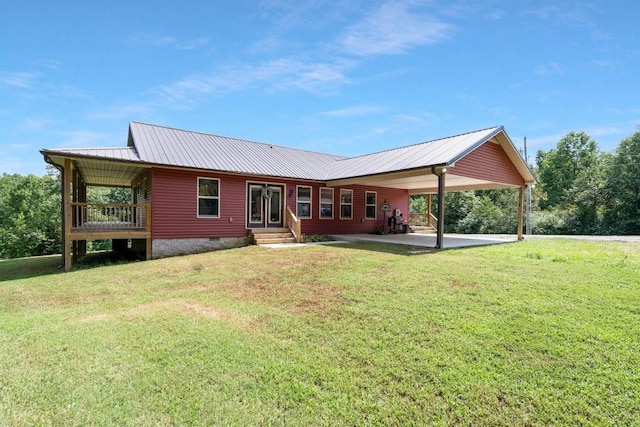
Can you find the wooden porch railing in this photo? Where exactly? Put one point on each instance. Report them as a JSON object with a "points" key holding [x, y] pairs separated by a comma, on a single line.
{"points": [[294, 224], [110, 216], [423, 219]]}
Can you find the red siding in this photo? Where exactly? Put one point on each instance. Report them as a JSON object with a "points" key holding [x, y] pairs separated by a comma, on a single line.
{"points": [[397, 199], [175, 205], [489, 162], [174, 210]]}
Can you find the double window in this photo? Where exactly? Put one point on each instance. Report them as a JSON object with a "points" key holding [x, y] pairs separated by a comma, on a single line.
{"points": [[303, 202], [208, 198], [326, 203]]}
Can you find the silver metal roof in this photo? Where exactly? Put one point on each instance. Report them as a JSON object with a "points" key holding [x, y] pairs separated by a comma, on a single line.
{"points": [[174, 147], [128, 154], [445, 151], [150, 145]]}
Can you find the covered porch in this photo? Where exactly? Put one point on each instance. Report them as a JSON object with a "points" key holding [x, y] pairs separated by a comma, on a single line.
{"points": [[123, 223]]}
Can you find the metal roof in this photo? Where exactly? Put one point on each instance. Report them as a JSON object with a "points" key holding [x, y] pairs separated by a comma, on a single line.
{"points": [[150, 145], [445, 151], [128, 154], [180, 148]]}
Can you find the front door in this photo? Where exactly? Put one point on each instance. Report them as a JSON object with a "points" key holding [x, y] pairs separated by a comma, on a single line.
{"points": [[265, 205]]}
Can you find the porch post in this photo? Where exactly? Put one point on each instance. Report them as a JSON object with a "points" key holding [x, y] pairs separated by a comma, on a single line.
{"points": [[66, 213], [429, 197], [520, 212], [440, 230]]}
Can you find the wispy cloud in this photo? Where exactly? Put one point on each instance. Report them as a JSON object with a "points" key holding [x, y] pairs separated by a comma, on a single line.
{"points": [[82, 138], [355, 110], [119, 112], [49, 63], [18, 79], [36, 124], [279, 74], [169, 41], [394, 28], [547, 70]]}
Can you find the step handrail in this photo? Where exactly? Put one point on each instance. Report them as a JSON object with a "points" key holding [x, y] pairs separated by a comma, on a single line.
{"points": [[293, 224]]}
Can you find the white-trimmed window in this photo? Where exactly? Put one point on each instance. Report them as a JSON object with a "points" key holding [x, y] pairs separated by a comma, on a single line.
{"points": [[370, 203], [303, 202], [326, 203], [208, 198], [346, 204]]}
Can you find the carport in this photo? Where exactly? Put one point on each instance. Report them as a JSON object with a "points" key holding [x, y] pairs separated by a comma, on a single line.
{"points": [[484, 159]]}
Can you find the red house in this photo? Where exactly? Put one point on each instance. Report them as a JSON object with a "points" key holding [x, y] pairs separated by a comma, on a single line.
{"points": [[195, 192]]}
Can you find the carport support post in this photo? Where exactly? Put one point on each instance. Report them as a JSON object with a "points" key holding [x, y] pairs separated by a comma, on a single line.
{"points": [[440, 230], [520, 212]]}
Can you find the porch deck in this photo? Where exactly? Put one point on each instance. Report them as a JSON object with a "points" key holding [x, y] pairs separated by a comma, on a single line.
{"points": [[110, 221]]}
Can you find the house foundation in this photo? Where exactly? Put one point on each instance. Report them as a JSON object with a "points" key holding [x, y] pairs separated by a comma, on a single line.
{"points": [[162, 248]]}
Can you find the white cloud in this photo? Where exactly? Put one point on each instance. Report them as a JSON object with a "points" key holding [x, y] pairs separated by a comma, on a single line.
{"points": [[393, 28], [169, 41], [547, 70], [18, 79], [279, 74], [119, 112], [354, 110], [81, 138], [35, 124]]}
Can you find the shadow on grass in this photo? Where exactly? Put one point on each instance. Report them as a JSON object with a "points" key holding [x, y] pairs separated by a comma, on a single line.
{"points": [[408, 249], [389, 248], [25, 268]]}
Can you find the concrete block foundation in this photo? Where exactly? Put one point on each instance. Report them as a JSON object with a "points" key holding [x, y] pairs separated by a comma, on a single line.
{"points": [[163, 248]]}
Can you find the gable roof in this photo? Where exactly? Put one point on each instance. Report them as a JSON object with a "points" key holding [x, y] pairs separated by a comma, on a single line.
{"points": [[439, 152], [174, 147], [150, 145]]}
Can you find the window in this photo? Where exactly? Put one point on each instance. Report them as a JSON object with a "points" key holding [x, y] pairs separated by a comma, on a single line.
{"points": [[326, 203], [346, 203], [370, 204], [208, 198], [303, 204]]}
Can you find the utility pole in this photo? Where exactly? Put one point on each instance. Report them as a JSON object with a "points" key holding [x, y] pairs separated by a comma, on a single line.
{"points": [[527, 195]]}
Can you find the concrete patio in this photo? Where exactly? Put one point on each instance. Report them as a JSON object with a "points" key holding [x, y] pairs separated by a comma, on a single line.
{"points": [[429, 240]]}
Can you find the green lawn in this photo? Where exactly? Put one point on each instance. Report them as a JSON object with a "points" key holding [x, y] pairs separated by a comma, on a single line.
{"points": [[533, 333]]}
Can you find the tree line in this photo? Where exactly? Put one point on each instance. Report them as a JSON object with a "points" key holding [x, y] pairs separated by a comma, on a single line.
{"points": [[31, 213], [580, 190]]}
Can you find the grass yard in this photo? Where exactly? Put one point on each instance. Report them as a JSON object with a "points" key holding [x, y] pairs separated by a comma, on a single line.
{"points": [[534, 333]]}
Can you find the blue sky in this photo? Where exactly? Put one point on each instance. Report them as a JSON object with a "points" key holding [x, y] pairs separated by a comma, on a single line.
{"points": [[342, 77]]}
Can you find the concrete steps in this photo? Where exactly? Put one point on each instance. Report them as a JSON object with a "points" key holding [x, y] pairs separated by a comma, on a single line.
{"points": [[266, 236]]}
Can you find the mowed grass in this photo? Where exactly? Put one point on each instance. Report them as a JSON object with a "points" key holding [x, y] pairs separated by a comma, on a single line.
{"points": [[539, 332]]}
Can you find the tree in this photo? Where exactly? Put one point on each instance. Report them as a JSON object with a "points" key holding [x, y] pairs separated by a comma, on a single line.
{"points": [[559, 168], [30, 222], [623, 187], [493, 211]]}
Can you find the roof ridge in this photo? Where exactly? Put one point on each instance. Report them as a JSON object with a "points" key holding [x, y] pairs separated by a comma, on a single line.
{"points": [[339, 157]]}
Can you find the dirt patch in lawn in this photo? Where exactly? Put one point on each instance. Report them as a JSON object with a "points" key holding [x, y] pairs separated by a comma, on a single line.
{"points": [[182, 307]]}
